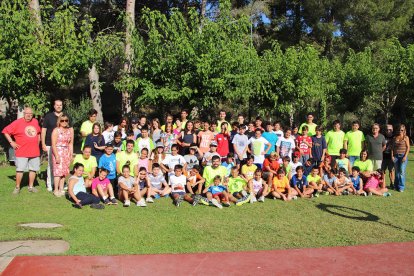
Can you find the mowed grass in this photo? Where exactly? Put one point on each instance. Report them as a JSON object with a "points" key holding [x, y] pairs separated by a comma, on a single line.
{"points": [[163, 228]]}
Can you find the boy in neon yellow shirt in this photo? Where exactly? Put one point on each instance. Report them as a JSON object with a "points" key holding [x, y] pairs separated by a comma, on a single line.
{"points": [[354, 142]]}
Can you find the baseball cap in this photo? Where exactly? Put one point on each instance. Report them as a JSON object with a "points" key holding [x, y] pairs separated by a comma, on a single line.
{"points": [[296, 154], [109, 145], [213, 144], [160, 145]]}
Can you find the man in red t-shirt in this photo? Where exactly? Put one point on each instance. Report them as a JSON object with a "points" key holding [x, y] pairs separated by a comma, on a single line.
{"points": [[24, 136]]}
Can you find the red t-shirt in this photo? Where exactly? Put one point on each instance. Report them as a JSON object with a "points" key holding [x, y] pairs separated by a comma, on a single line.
{"points": [[274, 165], [26, 135], [222, 144], [301, 143]]}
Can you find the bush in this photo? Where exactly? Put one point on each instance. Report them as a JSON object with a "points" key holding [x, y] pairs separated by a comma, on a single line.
{"points": [[78, 113]]}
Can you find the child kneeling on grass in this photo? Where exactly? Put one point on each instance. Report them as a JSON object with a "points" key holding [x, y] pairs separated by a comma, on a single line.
{"points": [[300, 184], [376, 184], [128, 189], [77, 190], [102, 187], [217, 193], [281, 188], [177, 182], [260, 187]]}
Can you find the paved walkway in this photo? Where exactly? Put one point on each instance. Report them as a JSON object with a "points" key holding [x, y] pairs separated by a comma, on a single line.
{"points": [[377, 259]]}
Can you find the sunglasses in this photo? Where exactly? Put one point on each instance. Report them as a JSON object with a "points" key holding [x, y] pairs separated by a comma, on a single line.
{"points": [[66, 120]]}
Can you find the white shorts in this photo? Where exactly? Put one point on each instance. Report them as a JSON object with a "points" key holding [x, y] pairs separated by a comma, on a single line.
{"points": [[27, 163]]}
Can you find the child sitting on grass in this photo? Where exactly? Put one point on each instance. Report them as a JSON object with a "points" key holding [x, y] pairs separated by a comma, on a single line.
{"points": [[144, 184], [343, 184], [329, 182], [158, 184], [315, 181], [177, 182], [300, 184], [357, 183], [343, 162], [217, 193], [281, 188], [376, 184], [195, 181], [102, 187], [260, 187], [237, 187], [128, 189], [287, 168]]}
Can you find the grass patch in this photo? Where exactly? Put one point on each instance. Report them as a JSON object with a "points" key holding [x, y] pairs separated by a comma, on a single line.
{"points": [[163, 228]]}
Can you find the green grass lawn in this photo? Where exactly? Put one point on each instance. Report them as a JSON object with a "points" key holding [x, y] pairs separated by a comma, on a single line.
{"points": [[163, 228]]}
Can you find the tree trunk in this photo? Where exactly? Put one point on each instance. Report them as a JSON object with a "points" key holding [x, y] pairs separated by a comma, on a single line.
{"points": [[95, 91], [129, 53], [329, 38], [35, 9], [203, 9]]}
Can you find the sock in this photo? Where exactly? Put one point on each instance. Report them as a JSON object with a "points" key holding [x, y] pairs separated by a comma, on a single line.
{"points": [[112, 197], [104, 198]]}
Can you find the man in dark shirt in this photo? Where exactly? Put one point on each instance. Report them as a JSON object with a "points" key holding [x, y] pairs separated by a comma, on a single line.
{"points": [[49, 123], [375, 146]]}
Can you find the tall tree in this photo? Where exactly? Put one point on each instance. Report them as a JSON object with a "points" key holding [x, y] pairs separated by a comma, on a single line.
{"points": [[129, 53]]}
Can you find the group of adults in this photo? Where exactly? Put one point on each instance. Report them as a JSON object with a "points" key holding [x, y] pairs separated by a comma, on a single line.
{"points": [[388, 151]]}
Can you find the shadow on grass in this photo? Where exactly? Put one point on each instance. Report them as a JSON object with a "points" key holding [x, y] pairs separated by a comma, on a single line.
{"points": [[25, 180], [352, 213]]}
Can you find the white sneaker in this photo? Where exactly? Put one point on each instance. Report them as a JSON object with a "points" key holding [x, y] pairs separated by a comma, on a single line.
{"points": [[253, 198], [149, 200], [261, 199], [244, 193], [127, 203], [294, 197], [216, 203], [49, 188], [141, 203]]}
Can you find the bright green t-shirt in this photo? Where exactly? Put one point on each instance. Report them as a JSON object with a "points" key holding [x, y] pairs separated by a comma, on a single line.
{"points": [[316, 179], [88, 164], [123, 146], [311, 128], [236, 184], [364, 165], [122, 157], [87, 128], [355, 139], [209, 174], [335, 141]]}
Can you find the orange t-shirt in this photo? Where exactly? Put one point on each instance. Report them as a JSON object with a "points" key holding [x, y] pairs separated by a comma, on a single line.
{"points": [[205, 139], [280, 185], [274, 165]]}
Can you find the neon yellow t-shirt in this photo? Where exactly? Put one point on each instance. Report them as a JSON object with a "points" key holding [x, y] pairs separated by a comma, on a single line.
{"points": [[364, 165], [311, 128], [354, 139], [236, 184], [122, 157], [88, 164], [316, 179], [87, 128], [335, 141], [248, 171], [281, 184], [209, 174]]}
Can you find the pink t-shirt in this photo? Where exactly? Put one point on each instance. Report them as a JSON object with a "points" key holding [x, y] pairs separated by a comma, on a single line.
{"points": [[26, 135], [143, 163], [372, 182], [205, 139], [103, 183], [302, 146]]}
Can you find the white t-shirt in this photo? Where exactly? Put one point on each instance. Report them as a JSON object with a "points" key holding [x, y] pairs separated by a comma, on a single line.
{"points": [[177, 183], [172, 160], [156, 180], [285, 146], [127, 182], [279, 133], [241, 142], [108, 136], [294, 166], [258, 146]]}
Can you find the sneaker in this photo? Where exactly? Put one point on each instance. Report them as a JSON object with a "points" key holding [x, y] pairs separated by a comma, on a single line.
{"points": [[65, 188], [157, 196], [32, 190], [149, 200], [127, 203], [370, 194], [243, 200], [244, 193], [325, 193], [261, 199], [295, 197], [392, 186], [16, 191], [97, 206], [114, 202], [167, 195], [364, 194], [316, 194], [345, 192], [49, 188], [216, 203], [253, 199], [107, 201], [226, 204], [57, 194], [179, 200], [196, 199], [141, 203], [204, 201], [77, 205], [386, 194]]}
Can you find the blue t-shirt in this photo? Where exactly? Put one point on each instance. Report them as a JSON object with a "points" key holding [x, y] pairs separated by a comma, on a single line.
{"points": [[216, 189], [228, 166], [355, 181], [109, 163], [328, 180], [300, 183], [318, 144], [272, 139]]}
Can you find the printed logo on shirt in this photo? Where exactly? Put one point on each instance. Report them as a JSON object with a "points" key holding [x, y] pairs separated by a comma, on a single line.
{"points": [[30, 131]]}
